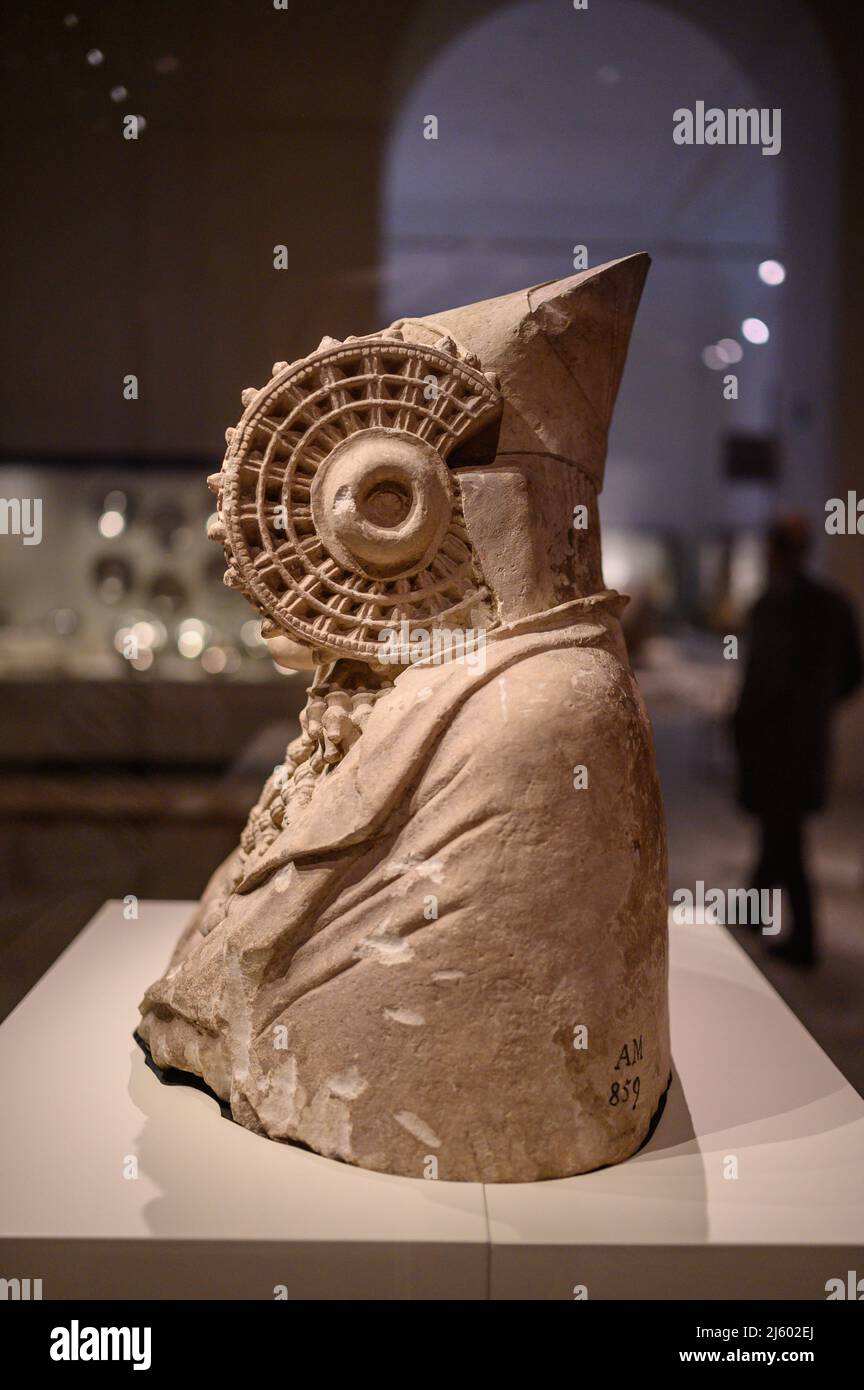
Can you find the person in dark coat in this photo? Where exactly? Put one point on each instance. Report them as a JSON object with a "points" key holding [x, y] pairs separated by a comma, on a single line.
{"points": [[804, 658]]}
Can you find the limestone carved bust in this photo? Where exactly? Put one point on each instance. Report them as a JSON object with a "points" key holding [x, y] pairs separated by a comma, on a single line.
{"points": [[443, 933]]}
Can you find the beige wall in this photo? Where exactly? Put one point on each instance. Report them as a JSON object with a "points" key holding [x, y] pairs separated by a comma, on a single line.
{"points": [[155, 257]]}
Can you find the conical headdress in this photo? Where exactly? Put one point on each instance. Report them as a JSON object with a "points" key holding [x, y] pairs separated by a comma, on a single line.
{"points": [[558, 350]]}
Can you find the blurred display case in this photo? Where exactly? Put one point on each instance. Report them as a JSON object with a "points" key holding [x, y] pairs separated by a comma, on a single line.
{"points": [[123, 583]]}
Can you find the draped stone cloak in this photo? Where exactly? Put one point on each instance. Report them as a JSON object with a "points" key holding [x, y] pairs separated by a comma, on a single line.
{"points": [[457, 949]]}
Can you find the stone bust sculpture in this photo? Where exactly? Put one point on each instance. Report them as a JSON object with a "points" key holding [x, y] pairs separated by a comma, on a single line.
{"points": [[443, 934]]}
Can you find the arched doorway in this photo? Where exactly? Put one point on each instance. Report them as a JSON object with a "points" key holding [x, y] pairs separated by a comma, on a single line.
{"points": [[554, 131]]}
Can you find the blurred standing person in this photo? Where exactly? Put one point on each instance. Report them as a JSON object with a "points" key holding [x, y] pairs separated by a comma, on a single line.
{"points": [[804, 658]]}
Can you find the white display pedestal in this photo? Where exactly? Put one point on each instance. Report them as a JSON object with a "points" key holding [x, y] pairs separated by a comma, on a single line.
{"points": [[217, 1212]]}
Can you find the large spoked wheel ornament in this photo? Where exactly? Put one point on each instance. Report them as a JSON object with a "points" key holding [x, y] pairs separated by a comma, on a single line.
{"points": [[337, 510]]}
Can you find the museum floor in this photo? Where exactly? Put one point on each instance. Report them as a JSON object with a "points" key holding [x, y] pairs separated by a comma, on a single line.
{"points": [[710, 840]]}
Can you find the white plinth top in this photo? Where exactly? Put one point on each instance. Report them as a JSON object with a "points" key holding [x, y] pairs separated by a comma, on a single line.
{"points": [[216, 1211]]}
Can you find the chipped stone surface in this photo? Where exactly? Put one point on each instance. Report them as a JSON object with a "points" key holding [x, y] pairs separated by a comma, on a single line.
{"points": [[416, 1127], [432, 937], [409, 1017]]}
